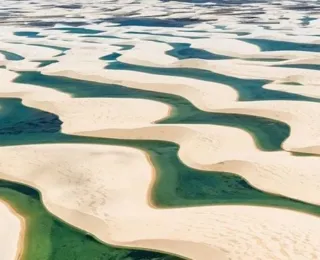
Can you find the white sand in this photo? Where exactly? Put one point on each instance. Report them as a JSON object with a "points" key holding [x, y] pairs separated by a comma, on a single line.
{"points": [[87, 114], [228, 47], [11, 227], [304, 90], [201, 93], [84, 113], [302, 117], [106, 197], [139, 55], [30, 52], [227, 149]]}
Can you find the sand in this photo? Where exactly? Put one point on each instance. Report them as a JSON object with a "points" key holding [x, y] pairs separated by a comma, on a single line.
{"points": [[97, 112], [30, 52], [87, 114], [297, 114], [201, 93], [108, 187], [301, 116], [227, 149], [304, 90], [11, 232], [138, 54], [105, 201]]}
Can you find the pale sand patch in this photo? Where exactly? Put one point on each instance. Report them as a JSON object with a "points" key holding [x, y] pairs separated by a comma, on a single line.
{"points": [[139, 55], [302, 117], [227, 149], [26, 92], [313, 60], [84, 113], [30, 52], [11, 232], [107, 189], [245, 70], [23, 65], [228, 47], [304, 90], [87, 114]]}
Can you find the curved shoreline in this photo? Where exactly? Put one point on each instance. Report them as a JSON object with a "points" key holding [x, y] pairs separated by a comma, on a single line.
{"points": [[20, 246], [79, 221]]}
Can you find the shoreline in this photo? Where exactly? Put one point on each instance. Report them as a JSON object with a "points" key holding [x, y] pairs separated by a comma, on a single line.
{"points": [[22, 233]]}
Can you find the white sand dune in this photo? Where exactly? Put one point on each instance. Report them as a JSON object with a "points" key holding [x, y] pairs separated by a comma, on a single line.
{"points": [[26, 92], [138, 54], [107, 188], [227, 149], [201, 93], [304, 90], [228, 47], [11, 229], [301, 116], [247, 71], [84, 113], [30, 52], [88, 114]]}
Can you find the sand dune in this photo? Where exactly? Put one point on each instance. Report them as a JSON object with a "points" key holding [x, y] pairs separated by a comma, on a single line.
{"points": [[304, 90], [11, 228], [302, 117], [88, 114], [299, 115], [138, 54], [98, 196], [94, 116], [30, 52], [227, 149], [84, 113], [201, 93]]}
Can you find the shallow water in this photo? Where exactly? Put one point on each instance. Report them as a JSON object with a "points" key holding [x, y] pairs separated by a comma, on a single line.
{"points": [[29, 34], [269, 134], [48, 238], [301, 66], [184, 51], [11, 56], [248, 89], [273, 45], [77, 30], [177, 185]]}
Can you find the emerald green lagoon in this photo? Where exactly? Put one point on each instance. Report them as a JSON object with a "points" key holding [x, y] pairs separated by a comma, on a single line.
{"points": [[48, 238]]}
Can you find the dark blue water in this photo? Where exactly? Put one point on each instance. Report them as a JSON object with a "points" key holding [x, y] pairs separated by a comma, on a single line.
{"points": [[183, 51], [112, 56], [301, 66], [29, 34], [305, 21], [150, 22], [77, 30], [167, 34], [11, 56], [272, 45]]}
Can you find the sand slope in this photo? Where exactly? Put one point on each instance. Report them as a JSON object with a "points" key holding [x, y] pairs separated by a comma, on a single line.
{"points": [[302, 117], [106, 196], [10, 229], [227, 149]]}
